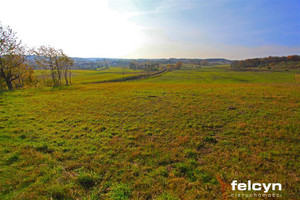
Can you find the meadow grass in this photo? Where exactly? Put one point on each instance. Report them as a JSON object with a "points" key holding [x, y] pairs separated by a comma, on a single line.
{"points": [[92, 76], [151, 139], [223, 75]]}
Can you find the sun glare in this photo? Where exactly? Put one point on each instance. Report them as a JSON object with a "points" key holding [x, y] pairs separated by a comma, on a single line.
{"points": [[82, 28]]}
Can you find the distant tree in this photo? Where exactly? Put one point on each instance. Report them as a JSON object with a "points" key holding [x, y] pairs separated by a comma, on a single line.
{"points": [[12, 57], [293, 58], [150, 66], [267, 62], [178, 65], [132, 65], [203, 63], [170, 66]]}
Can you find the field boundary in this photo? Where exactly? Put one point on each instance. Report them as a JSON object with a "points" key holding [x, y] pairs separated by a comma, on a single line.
{"points": [[131, 78]]}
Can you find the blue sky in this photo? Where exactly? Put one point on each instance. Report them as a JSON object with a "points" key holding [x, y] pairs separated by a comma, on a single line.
{"points": [[235, 25], [232, 29]]}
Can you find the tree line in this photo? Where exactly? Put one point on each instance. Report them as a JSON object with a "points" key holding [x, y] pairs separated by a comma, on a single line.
{"points": [[16, 68], [147, 66], [175, 66], [153, 66], [265, 62]]}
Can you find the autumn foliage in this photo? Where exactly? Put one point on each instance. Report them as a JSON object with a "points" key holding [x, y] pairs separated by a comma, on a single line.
{"points": [[266, 62]]}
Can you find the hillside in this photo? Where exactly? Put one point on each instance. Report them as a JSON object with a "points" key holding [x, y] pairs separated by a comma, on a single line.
{"points": [[185, 134]]}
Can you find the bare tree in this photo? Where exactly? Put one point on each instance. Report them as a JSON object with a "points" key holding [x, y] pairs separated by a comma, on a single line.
{"points": [[65, 63], [178, 65], [46, 59], [55, 62]]}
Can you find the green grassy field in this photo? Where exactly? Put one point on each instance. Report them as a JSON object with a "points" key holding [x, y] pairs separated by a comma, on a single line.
{"points": [[223, 75], [176, 136], [92, 76]]}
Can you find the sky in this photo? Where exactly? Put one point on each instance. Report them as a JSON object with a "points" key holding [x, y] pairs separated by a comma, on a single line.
{"points": [[232, 29]]}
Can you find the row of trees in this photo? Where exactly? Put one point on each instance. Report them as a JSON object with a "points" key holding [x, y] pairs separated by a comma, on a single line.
{"points": [[147, 66], [264, 62], [55, 64], [150, 66], [16, 67], [175, 66]]}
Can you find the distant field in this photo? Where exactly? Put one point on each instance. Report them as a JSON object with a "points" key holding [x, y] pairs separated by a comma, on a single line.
{"points": [[92, 76], [89, 76], [223, 75], [176, 136]]}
